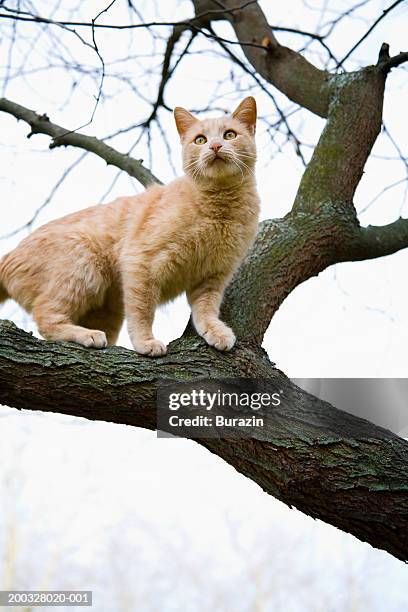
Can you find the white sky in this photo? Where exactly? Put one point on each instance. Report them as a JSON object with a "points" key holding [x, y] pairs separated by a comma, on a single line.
{"points": [[352, 320]]}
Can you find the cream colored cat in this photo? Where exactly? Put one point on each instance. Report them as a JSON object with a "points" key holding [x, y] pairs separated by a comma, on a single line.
{"points": [[81, 275]]}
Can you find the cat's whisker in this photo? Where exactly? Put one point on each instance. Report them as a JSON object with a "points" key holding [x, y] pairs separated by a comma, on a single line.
{"points": [[234, 161], [247, 160], [248, 169], [242, 164], [196, 172], [248, 156], [195, 168], [242, 160], [235, 157], [199, 169], [244, 152], [244, 156], [192, 164]]}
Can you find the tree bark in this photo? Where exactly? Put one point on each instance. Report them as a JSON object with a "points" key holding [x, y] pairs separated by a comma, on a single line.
{"points": [[327, 463]]}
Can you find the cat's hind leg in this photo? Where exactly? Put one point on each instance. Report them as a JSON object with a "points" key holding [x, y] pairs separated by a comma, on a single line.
{"points": [[56, 323], [3, 291], [109, 317]]}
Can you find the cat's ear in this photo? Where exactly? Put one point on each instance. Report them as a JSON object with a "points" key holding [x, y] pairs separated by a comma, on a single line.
{"points": [[246, 113], [184, 120]]}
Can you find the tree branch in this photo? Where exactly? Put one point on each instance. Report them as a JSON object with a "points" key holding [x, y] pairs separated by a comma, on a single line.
{"points": [[40, 124], [27, 16], [368, 32], [354, 122], [286, 252], [377, 241], [388, 63], [329, 464], [167, 71], [289, 71], [289, 251]]}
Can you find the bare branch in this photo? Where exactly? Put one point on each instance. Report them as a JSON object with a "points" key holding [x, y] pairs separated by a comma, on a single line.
{"points": [[283, 118], [291, 73], [18, 15], [370, 29], [386, 63], [40, 124], [167, 71]]}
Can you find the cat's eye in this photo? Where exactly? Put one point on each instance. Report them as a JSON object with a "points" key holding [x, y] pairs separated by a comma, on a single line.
{"points": [[229, 135], [200, 139]]}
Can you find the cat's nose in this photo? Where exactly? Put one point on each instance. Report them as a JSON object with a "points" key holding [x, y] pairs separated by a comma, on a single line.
{"points": [[215, 146]]}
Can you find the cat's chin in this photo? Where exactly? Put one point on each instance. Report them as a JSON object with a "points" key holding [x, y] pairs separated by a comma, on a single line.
{"points": [[221, 170]]}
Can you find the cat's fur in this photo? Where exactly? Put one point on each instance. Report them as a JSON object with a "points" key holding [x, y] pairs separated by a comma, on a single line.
{"points": [[82, 274]]}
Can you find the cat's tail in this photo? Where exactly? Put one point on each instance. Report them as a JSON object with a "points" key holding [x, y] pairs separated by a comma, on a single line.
{"points": [[3, 291]]}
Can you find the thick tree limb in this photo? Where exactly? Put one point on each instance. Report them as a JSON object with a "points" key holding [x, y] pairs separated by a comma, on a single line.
{"points": [[354, 122], [286, 253], [289, 251], [40, 124], [284, 68], [327, 463]]}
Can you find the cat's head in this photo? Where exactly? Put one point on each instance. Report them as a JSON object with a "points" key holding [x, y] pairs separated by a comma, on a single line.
{"points": [[220, 149]]}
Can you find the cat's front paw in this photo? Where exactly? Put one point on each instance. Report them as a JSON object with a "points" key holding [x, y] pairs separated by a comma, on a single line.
{"points": [[220, 336], [152, 348]]}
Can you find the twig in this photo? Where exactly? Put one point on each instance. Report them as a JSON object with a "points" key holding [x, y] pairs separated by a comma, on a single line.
{"points": [[370, 29]]}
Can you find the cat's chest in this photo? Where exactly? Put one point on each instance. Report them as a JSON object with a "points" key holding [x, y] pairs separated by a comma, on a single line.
{"points": [[214, 240], [209, 242], [204, 251], [216, 247]]}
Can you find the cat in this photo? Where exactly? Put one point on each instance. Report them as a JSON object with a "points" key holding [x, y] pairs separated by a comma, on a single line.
{"points": [[81, 275]]}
